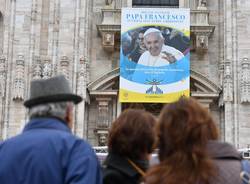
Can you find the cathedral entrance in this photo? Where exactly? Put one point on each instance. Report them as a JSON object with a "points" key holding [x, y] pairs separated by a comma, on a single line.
{"points": [[154, 108]]}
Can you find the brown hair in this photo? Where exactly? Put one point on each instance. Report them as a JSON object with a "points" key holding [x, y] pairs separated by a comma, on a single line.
{"points": [[183, 132], [132, 134]]}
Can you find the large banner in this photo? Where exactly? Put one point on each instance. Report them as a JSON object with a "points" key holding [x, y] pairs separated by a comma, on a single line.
{"points": [[154, 57]]}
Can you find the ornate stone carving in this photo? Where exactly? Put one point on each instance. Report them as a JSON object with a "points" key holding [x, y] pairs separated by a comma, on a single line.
{"points": [[103, 119], [2, 75], [202, 5], [82, 77], [19, 79], [47, 68], [202, 42], [37, 68], [102, 136], [245, 80], [64, 66], [108, 2], [108, 41], [228, 83]]}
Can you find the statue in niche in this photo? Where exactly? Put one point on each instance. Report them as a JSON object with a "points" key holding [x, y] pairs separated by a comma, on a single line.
{"points": [[102, 139], [108, 2], [202, 5]]}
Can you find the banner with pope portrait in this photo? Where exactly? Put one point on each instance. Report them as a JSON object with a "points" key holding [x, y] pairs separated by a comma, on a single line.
{"points": [[154, 56]]}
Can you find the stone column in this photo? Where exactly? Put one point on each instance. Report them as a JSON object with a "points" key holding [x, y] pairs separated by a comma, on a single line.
{"points": [[228, 106], [80, 124]]}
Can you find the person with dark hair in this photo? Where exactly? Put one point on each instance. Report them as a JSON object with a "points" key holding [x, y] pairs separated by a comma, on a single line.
{"points": [[139, 48], [46, 151], [130, 143], [189, 150]]}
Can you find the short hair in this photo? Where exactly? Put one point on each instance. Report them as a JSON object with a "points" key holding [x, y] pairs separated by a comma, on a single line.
{"points": [[56, 109], [132, 134]]}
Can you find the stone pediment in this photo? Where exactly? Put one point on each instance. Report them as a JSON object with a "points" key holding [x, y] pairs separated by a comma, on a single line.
{"points": [[201, 87]]}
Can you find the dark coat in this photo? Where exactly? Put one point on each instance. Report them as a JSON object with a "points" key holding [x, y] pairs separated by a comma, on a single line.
{"points": [[228, 162], [117, 170], [45, 153]]}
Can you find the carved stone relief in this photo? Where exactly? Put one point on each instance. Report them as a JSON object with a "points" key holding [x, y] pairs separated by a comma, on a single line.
{"points": [[47, 68], [64, 66], [37, 68], [202, 5], [82, 77], [2, 75], [19, 79], [228, 83], [202, 42], [103, 119], [245, 81]]}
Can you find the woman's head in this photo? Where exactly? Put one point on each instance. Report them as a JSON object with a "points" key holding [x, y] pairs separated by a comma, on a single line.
{"points": [[184, 129], [132, 134], [184, 126]]}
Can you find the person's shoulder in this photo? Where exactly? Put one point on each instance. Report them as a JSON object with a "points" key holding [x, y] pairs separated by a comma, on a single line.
{"points": [[144, 56], [111, 175]]}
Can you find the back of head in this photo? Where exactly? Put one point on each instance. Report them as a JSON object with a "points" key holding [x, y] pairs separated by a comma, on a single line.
{"points": [[184, 125], [51, 97], [184, 129], [132, 134]]}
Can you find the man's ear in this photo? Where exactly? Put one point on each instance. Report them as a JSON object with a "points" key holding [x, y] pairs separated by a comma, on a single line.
{"points": [[69, 116]]}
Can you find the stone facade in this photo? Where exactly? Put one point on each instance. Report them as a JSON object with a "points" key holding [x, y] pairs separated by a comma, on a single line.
{"points": [[81, 38]]}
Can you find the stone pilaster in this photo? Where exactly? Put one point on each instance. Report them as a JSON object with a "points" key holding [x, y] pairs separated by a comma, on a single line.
{"points": [[2, 90], [47, 68], [2, 76], [19, 81], [37, 68], [245, 81], [64, 66]]}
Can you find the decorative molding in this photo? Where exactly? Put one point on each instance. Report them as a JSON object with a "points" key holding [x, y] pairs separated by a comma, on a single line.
{"points": [[47, 68], [103, 118], [64, 66], [202, 5], [82, 77], [245, 81], [37, 68], [19, 82], [200, 27], [228, 83], [102, 136], [2, 75], [108, 41]]}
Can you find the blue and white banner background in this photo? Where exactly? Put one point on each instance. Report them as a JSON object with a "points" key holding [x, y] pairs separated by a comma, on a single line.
{"points": [[160, 83]]}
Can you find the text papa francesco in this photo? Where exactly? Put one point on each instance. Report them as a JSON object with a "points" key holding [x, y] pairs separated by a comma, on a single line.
{"points": [[155, 16]]}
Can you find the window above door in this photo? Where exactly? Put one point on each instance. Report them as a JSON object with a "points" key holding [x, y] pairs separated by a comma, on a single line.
{"points": [[155, 3]]}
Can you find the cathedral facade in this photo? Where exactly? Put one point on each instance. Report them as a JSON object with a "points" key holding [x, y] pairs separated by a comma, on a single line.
{"points": [[81, 39]]}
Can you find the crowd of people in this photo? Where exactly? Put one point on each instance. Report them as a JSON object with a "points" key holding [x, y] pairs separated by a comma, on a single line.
{"points": [[185, 136]]}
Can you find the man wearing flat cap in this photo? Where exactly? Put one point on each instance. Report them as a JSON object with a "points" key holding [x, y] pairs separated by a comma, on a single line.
{"points": [[157, 53], [46, 152]]}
